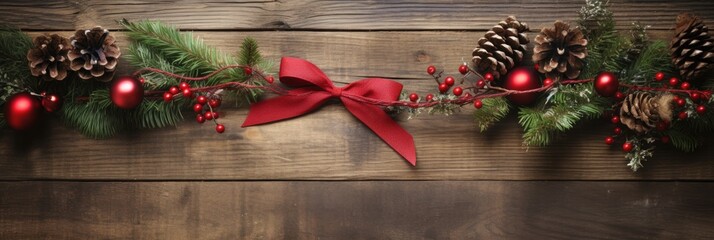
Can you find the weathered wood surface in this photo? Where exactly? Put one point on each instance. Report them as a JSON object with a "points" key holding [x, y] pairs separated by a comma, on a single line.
{"points": [[331, 14], [356, 210], [330, 143]]}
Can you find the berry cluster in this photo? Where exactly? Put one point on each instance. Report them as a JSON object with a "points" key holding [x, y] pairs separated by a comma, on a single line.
{"points": [[449, 89], [204, 107]]}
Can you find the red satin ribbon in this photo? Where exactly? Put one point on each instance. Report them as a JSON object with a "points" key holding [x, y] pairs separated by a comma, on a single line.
{"points": [[312, 88]]}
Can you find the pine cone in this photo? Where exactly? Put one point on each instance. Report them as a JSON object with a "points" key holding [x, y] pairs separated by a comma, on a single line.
{"points": [[95, 54], [49, 57], [502, 47], [641, 111], [692, 48], [559, 51]]}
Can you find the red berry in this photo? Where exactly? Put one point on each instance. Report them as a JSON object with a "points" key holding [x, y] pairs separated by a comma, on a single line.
{"points": [[198, 108], [617, 130], [673, 81], [142, 80], [665, 139], [480, 83], [681, 102], [701, 109], [706, 95], [488, 77], [695, 96], [547, 82], [413, 97], [449, 81], [220, 128], [478, 104], [627, 147], [536, 67], [463, 69], [208, 115], [214, 103], [248, 71], [683, 115], [443, 88], [662, 126], [431, 70], [184, 85], [429, 97], [675, 98], [685, 86], [187, 93], [619, 96], [174, 90], [659, 76], [201, 99], [458, 91], [609, 140], [270, 79], [215, 115], [168, 97], [200, 118], [615, 119]]}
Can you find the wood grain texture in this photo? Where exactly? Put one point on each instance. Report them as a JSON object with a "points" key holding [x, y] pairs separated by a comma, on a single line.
{"points": [[332, 14], [356, 210], [330, 143]]}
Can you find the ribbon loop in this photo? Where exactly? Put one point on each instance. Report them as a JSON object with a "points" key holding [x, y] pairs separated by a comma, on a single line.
{"points": [[312, 88]]}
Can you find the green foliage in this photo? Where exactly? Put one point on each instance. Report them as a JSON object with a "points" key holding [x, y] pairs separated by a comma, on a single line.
{"points": [[653, 58], [493, 110], [642, 150], [14, 72]]}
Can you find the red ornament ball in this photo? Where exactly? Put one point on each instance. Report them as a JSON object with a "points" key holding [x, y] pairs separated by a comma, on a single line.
{"points": [[682, 115], [701, 109], [200, 118], [627, 147], [429, 97], [659, 76], [609, 140], [673, 81], [22, 111], [184, 85], [214, 103], [685, 86], [201, 99], [606, 84], [449, 81], [198, 108], [488, 76], [51, 102], [464, 69], [220, 128], [522, 79], [443, 88], [174, 90], [127, 92], [431, 70], [478, 104], [458, 91], [413, 97], [168, 97]]}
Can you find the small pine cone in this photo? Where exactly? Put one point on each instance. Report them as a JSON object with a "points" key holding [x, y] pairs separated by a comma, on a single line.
{"points": [[48, 57], [641, 111], [559, 51], [95, 54], [692, 48], [502, 48]]}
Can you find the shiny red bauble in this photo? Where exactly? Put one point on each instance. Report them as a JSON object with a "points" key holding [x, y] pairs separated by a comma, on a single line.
{"points": [[659, 76], [547, 82], [168, 97], [22, 111], [431, 70], [198, 108], [701, 109], [429, 97], [51, 102], [201, 99], [627, 147], [187, 93], [609, 140], [458, 91], [480, 83], [184, 85], [443, 88], [615, 119], [127, 92], [248, 71], [606, 84], [464, 69], [522, 79], [449, 81], [214, 103], [673, 81], [682, 115], [478, 104], [208, 115], [174, 90], [488, 76], [413, 97], [270, 79], [220, 128], [685, 86]]}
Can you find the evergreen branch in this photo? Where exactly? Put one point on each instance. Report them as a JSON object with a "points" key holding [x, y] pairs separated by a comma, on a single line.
{"points": [[14, 71], [493, 110]]}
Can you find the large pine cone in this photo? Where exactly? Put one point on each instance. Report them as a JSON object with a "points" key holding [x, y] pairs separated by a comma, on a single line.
{"points": [[692, 48], [559, 51], [49, 57], [502, 48], [641, 111], [95, 54]]}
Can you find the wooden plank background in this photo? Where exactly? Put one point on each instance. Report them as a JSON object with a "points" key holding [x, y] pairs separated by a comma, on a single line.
{"points": [[188, 182]]}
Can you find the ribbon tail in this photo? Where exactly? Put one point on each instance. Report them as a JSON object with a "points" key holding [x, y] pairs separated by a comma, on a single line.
{"points": [[284, 107], [385, 127]]}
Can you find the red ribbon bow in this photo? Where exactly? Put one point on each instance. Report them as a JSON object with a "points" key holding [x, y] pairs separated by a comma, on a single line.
{"points": [[312, 88]]}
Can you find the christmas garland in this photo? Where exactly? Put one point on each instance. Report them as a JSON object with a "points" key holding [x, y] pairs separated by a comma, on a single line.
{"points": [[653, 92]]}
